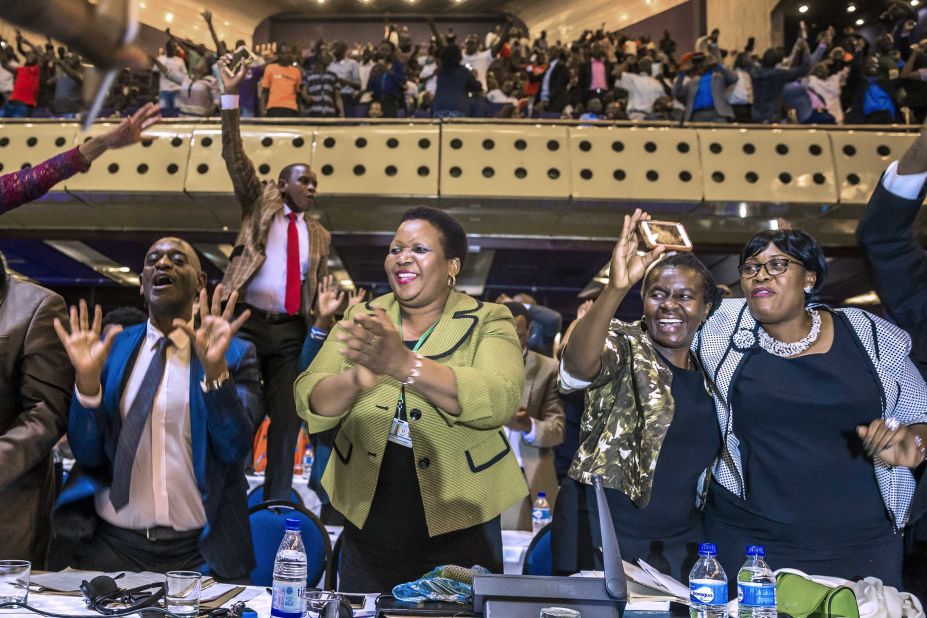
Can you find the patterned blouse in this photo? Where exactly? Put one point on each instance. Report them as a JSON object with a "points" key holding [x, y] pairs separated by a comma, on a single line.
{"points": [[30, 184]]}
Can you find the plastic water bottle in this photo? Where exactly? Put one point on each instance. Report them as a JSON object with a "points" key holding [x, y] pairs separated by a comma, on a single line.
{"points": [[756, 586], [290, 574], [707, 585], [540, 512], [307, 462]]}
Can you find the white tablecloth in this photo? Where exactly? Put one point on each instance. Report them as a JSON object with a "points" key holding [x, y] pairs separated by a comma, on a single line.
{"points": [[257, 599]]}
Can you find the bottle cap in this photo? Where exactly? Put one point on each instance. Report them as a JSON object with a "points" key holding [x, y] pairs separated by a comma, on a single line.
{"points": [[542, 494], [249, 613], [756, 550], [293, 524], [708, 548]]}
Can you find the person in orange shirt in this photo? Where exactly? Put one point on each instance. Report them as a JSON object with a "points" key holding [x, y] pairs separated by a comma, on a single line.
{"points": [[280, 85]]}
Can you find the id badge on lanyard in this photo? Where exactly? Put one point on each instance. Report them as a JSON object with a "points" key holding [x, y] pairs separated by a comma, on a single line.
{"points": [[399, 432]]}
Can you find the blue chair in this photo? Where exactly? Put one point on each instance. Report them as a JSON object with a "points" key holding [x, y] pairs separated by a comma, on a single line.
{"points": [[268, 523], [539, 557], [256, 496], [334, 563]]}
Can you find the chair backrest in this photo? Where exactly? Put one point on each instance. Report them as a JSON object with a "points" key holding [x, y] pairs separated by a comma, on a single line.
{"points": [[539, 558], [256, 497], [334, 563], [268, 523]]}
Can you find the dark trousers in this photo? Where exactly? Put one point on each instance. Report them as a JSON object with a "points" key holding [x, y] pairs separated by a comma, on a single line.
{"points": [[742, 113], [390, 104], [278, 345], [368, 568], [349, 102], [118, 549], [282, 112]]}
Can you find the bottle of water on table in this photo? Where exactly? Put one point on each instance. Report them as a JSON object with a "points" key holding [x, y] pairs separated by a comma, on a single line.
{"points": [[290, 574], [756, 586], [707, 585], [307, 462], [540, 512]]}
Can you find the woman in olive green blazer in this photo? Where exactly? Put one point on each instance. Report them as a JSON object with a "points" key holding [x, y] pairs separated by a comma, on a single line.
{"points": [[420, 484]]}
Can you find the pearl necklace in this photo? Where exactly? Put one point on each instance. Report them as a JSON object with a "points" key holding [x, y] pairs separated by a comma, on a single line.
{"points": [[779, 348]]}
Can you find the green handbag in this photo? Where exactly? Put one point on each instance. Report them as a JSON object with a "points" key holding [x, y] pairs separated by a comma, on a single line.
{"points": [[802, 598]]}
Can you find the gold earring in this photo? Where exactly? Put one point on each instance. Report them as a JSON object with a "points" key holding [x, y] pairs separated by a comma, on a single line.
{"points": [[451, 281]]}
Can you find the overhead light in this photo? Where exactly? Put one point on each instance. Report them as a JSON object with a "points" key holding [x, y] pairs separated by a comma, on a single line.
{"points": [[774, 224], [803, 8], [860, 21], [914, 2], [90, 257], [742, 210], [141, 5], [851, 8], [169, 17]]}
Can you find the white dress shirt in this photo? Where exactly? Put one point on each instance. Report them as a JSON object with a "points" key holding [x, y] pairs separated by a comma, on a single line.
{"points": [[267, 290], [480, 61], [907, 186], [163, 490]]}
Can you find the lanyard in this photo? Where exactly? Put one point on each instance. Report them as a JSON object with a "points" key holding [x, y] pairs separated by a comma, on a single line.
{"points": [[401, 405]]}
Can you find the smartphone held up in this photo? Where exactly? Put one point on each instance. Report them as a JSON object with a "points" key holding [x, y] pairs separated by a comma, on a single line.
{"points": [[670, 234]]}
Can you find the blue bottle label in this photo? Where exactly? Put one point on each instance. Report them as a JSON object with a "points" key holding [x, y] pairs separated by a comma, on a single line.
{"points": [[751, 594], [289, 600], [707, 592]]}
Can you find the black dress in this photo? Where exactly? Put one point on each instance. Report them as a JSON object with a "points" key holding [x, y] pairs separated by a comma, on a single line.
{"points": [[812, 499], [666, 532], [393, 547]]}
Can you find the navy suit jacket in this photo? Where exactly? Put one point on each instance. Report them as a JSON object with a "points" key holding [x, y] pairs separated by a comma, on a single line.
{"points": [[221, 428]]}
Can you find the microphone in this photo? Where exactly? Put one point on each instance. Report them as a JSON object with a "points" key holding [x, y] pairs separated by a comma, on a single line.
{"points": [[615, 583]]}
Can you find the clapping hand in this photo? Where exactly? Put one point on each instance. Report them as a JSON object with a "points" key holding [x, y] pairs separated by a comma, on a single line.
{"points": [[893, 443], [86, 350], [212, 337], [627, 266], [520, 422], [373, 344]]}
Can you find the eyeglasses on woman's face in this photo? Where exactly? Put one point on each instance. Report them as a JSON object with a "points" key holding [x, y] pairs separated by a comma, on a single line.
{"points": [[775, 266]]}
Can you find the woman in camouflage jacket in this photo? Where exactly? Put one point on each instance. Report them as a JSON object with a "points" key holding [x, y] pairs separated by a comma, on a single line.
{"points": [[644, 391]]}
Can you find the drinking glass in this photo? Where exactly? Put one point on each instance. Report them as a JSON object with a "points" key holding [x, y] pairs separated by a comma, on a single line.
{"points": [[322, 604], [14, 580], [183, 592]]}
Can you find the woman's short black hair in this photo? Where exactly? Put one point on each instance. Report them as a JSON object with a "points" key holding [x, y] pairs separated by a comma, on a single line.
{"points": [[453, 237], [450, 57], [710, 290], [794, 242]]}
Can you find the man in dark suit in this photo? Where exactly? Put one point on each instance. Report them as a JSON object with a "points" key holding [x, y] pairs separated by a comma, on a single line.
{"points": [[160, 423], [896, 260], [554, 92], [35, 391], [898, 269], [537, 427], [280, 256], [595, 75]]}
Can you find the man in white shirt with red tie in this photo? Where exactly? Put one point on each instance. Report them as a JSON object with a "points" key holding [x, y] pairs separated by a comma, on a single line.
{"points": [[280, 256]]}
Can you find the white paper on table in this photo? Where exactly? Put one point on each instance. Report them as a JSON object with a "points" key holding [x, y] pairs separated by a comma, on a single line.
{"points": [[667, 583], [69, 580]]}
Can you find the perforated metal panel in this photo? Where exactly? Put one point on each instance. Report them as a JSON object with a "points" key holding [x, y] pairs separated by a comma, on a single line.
{"points": [[383, 159], [645, 163], [24, 144], [770, 165], [157, 165], [861, 157], [496, 160], [270, 149]]}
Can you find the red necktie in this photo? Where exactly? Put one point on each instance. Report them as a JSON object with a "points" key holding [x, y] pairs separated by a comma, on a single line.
{"points": [[293, 281]]}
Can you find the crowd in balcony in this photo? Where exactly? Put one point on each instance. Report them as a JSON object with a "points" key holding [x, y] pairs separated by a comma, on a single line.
{"points": [[826, 77]]}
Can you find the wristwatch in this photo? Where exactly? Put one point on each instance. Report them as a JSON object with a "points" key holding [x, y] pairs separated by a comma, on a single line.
{"points": [[213, 385]]}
